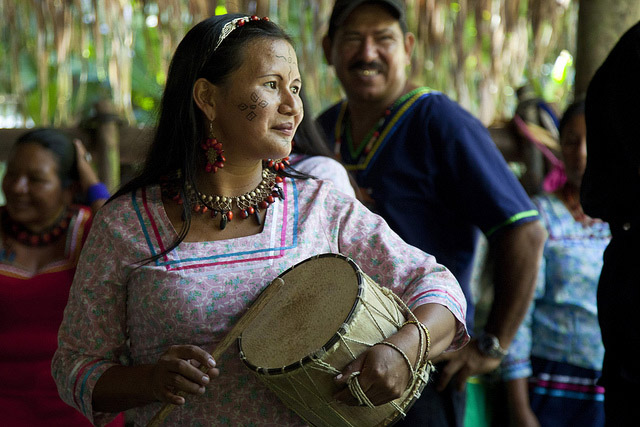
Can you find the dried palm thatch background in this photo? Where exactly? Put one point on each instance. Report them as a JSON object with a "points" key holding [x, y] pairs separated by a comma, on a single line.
{"points": [[57, 57]]}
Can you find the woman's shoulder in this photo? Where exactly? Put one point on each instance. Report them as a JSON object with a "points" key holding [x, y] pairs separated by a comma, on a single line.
{"points": [[122, 208], [327, 169]]}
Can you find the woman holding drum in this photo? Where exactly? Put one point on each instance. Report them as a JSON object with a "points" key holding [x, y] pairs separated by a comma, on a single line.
{"points": [[180, 252]]}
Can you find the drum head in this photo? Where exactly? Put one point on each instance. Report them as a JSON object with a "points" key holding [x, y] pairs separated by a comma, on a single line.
{"points": [[316, 300]]}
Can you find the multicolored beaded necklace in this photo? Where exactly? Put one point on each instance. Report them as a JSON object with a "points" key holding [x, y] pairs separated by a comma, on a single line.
{"points": [[370, 139], [249, 203], [41, 238]]}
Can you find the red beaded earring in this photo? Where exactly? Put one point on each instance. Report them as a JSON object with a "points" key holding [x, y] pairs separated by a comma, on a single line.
{"points": [[213, 151]]}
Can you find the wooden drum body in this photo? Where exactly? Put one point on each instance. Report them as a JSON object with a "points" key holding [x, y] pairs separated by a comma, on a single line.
{"points": [[326, 314]]}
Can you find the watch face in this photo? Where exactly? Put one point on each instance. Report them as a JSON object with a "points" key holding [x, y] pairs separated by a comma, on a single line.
{"points": [[490, 346]]}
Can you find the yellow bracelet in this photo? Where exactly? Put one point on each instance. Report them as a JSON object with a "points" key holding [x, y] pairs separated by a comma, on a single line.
{"points": [[424, 329]]}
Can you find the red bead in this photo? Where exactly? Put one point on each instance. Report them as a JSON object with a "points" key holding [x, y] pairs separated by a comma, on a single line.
{"points": [[251, 210], [217, 146], [254, 18], [218, 164], [240, 23], [34, 240], [387, 112], [229, 215], [46, 238], [266, 18], [376, 134], [223, 158], [270, 163], [279, 179], [209, 167], [270, 199], [263, 204], [204, 209], [196, 208], [56, 231], [244, 214]]}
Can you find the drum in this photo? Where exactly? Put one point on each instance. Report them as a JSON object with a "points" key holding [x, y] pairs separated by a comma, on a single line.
{"points": [[325, 315]]}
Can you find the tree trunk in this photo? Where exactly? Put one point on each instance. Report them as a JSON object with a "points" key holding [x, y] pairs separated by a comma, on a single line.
{"points": [[600, 24]]}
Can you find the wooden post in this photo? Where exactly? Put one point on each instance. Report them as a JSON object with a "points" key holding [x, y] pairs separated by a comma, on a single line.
{"points": [[107, 144], [600, 24]]}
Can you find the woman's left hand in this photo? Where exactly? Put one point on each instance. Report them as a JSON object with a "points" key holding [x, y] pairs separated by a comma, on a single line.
{"points": [[384, 376]]}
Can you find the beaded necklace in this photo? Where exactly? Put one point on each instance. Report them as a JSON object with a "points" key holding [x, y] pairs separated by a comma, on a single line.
{"points": [[41, 238], [575, 209], [248, 203], [372, 136]]}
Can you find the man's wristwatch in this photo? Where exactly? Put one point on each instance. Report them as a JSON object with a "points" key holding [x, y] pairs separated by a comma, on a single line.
{"points": [[489, 345]]}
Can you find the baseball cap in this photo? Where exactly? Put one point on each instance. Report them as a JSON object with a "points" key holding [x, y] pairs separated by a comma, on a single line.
{"points": [[343, 8]]}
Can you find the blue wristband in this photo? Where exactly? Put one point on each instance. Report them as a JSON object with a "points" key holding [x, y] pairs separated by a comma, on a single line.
{"points": [[97, 192]]}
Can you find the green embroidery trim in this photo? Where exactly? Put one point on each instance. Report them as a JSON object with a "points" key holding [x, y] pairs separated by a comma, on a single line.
{"points": [[353, 152], [414, 95], [516, 217]]}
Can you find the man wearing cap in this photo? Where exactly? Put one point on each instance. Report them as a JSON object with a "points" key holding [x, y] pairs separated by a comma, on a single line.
{"points": [[436, 176]]}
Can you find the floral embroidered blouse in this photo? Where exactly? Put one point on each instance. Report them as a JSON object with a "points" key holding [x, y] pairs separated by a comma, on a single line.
{"points": [[119, 314], [562, 322]]}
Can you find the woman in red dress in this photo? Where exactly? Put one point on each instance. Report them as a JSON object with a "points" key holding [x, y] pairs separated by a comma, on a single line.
{"points": [[41, 234]]}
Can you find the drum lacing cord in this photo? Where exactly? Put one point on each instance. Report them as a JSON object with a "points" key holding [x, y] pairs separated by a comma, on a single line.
{"points": [[361, 397], [424, 367], [298, 399], [356, 390]]}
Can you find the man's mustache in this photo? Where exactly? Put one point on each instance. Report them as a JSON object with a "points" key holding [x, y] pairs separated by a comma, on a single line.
{"points": [[361, 65]]}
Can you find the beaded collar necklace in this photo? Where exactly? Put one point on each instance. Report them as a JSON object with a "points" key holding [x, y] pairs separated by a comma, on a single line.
{"points": [[36, 239], [248, 204], [371, 137], [575, 209]]}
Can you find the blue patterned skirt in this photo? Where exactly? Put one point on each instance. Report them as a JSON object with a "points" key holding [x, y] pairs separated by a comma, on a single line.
{"points": [[565, 395]]}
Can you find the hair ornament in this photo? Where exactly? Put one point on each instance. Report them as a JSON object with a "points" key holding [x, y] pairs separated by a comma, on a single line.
{"points": [[233, 24]]}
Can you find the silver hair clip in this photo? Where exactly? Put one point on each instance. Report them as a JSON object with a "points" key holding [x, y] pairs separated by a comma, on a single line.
{"points": [[233, 24]]}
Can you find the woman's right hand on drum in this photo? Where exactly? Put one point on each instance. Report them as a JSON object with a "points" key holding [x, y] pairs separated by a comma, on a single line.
{"points": [[384, 376], [178, 371]]}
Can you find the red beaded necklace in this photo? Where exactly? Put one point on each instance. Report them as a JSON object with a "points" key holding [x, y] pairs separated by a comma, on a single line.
{"points": [[575, 209], [34, 239], [248, 204]]}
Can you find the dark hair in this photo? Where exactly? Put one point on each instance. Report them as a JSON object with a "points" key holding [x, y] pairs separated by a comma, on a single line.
{"points": [[309, 138], [575, 109], [60, 145], [181, 127]]}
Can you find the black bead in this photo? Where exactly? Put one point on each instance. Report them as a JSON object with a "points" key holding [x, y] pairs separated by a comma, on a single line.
{"points": [[280, 192], [256, 215], [223, 221]]}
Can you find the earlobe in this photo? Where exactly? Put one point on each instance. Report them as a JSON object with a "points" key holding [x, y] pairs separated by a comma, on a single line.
{"points": [[203, 95], [409, 43]]}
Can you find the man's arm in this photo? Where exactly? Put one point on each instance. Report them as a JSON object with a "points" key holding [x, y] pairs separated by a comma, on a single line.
{"points": [[517, 252]]}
